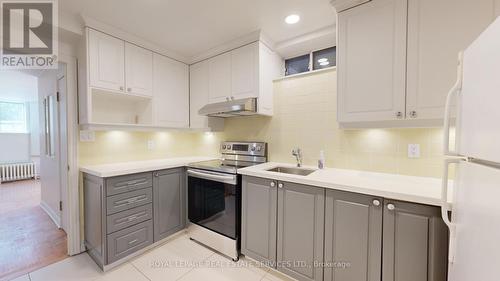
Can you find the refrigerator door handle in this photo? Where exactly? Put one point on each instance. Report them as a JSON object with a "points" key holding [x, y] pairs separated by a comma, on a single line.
{"points": [[457, 87], [445, 207]]}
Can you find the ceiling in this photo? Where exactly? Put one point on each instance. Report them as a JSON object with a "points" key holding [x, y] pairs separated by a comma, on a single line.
{"points": [[191, 27]]}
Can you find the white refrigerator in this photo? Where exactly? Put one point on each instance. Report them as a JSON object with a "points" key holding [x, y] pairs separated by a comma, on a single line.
{"points": [[475, 222]]}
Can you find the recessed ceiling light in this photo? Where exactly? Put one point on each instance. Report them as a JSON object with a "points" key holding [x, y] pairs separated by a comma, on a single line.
{"points": [[292, 19], [322, 60], [324, 63]]}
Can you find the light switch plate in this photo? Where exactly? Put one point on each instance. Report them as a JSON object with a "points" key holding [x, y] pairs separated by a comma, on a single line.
{"points": [[87, 136], [414, 150]]}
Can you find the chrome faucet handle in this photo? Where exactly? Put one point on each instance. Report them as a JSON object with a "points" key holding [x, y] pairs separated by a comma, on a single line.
{"points": [[298, 156]]}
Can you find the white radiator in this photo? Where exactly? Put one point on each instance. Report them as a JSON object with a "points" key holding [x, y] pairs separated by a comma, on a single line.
{"points": [[17, 171]]}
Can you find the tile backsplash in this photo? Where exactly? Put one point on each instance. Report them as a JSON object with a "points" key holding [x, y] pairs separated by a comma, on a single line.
{"points": [[305, 117]]}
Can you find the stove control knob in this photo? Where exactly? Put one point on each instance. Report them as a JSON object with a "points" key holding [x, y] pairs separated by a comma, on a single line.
{"points": [[228, 146], [259, 148], [253, 148], [224, 146]]}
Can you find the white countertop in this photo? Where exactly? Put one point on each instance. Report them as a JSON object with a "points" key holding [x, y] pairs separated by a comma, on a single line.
{"points": [[124, 168], [421, 190]]}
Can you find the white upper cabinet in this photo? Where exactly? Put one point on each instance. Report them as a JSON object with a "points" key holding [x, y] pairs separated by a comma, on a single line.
{"points": [[106, 61], [371, 61], [198, 81], [170, 92], [437, 32], [397, 59], [219, 81], [244, 72], [138, 70]]}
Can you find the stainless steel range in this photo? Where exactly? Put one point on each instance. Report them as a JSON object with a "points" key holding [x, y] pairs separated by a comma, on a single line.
{"points": [[214, 196]]}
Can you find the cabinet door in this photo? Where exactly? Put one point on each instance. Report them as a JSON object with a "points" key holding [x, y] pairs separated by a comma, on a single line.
{"points": [[301, 212], [106, 61], [415, 243], [372, 62], [353, 234], [170, 92], [258, 219], [437, 32], [169, 197], [138, 70], [219, 78], [198, 93], [244, 71]]}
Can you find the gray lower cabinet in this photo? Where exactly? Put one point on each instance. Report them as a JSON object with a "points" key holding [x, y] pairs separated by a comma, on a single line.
{"points": [[415, 243], [353, 237], [125, 214], [258, 219], [169, 193], [301, 211], [310, 233]]}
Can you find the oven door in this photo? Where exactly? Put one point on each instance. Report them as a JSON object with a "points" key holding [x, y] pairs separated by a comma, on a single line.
{"points": [[214, 201]]}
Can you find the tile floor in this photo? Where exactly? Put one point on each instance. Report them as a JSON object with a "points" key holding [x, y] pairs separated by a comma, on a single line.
{"points": [[177, 259], [29, 239]]}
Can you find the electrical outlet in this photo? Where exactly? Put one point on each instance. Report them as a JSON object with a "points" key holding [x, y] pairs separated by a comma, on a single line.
{"points": [[87, 136], [414, 151], [151, 144]]}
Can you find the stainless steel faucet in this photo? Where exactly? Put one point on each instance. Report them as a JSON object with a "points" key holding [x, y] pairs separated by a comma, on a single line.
{"points": [[298, 155]]}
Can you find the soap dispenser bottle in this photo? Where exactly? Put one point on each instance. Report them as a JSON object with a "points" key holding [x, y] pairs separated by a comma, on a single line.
{"points": [[321, 160]]}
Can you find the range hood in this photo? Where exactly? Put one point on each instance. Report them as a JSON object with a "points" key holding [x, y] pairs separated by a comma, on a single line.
{"points": [[241, 107]]}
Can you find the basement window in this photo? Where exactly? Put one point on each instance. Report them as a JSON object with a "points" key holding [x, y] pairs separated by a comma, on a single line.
{"points": [[324, 58], [297, 65], [315, 60]]}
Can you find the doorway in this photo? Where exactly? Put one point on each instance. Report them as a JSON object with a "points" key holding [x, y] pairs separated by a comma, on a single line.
{"points": [[33, 189]]}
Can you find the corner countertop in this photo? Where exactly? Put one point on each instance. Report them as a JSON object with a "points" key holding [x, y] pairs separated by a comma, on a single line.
{"points": [[420, 190], [132, 167]]}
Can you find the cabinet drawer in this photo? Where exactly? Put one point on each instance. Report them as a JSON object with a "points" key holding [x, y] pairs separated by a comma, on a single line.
{"points": [[127, 241], [128, 218], [129, 200], [121, 184]]}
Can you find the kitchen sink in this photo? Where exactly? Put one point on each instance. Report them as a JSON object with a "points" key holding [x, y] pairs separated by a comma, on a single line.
{"points": [[292, 170]]}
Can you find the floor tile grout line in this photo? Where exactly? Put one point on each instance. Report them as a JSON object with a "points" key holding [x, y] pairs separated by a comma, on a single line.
{"points": [[140, 271]]}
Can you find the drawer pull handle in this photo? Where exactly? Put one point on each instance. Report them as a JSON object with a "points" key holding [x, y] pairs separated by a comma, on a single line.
{"points": [[130, 201], [133, 241], [130, 183], [131, 218]]}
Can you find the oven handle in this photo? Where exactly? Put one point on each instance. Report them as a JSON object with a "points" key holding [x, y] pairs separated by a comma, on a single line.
{"points": [[230, 179]]}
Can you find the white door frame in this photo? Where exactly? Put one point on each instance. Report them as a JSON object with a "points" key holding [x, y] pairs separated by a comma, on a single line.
{"points": [[73, 207]]}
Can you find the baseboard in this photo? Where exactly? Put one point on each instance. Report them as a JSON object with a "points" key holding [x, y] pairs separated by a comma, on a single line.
{"points": [[55, 217]]}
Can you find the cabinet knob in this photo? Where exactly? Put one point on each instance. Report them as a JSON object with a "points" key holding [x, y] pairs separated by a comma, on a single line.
{"points": [[121, 88], [156, 174], [129, 89], [232, 98], [227, 98], [391, 207], [399, 114], [376, 202], [413, 114], [280, 185], [273, 184]]}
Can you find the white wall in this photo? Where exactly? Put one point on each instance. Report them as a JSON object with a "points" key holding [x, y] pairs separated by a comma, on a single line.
{"points": [[14, 147], [17, 86]]}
